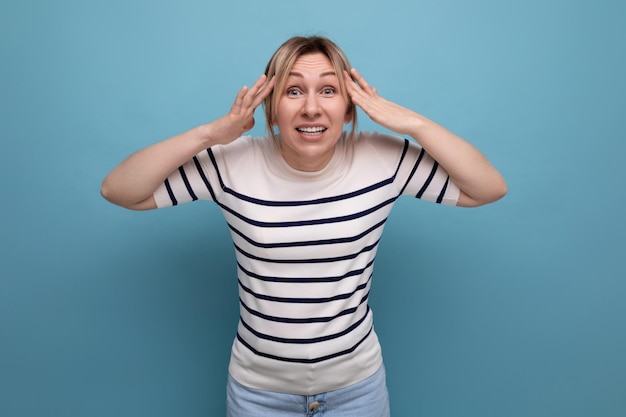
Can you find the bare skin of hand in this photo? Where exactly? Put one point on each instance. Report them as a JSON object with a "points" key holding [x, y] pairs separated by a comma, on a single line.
{"points": [[132, 183], [479, 181], [384, 112], [240, 118]]}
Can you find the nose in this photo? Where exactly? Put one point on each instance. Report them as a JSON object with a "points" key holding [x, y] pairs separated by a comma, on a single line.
{"points": [[311, 106]]}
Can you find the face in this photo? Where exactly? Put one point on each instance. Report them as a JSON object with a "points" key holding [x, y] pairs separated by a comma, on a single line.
{"points": [[311, 113]]}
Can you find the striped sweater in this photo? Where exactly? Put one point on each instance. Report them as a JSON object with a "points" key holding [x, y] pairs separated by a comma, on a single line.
{"points": [[305, 247]]}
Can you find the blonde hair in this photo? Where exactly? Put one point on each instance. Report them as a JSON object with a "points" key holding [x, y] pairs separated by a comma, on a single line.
{"points": [[279, 66]]}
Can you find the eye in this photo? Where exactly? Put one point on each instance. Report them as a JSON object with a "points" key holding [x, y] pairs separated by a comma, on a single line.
{"points": [[293, 92], [328, 91]]}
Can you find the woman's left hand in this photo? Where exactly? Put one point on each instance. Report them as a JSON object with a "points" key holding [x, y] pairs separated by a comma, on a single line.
{"points": [[479, 181], [384, 112]]}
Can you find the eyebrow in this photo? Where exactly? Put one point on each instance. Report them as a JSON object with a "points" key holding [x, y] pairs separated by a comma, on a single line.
{"points": [[324, 74]]}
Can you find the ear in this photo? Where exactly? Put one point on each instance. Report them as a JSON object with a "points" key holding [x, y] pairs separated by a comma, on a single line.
{"points": [[348, 117]]}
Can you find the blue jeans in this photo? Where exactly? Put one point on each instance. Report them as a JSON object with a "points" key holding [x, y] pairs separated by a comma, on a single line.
{"points": [[368, 398]]}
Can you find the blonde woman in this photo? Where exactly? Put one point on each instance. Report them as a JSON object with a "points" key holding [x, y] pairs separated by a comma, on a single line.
{"points": [[306, 206]]}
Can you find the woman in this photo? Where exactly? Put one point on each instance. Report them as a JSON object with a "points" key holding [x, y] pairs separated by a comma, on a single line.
{"points": [[306, 206]]}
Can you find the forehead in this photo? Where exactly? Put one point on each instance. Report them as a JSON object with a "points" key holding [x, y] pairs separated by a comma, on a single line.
{"points": [[315, 64]]}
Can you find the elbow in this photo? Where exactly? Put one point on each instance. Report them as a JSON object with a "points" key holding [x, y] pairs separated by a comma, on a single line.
{"points": [[496, 190], [488, 195], [504, 190], [499, 191], [105, 191], [108, 193]]}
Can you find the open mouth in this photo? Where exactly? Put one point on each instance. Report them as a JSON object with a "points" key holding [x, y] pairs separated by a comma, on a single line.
{"points": [[311, 131]]}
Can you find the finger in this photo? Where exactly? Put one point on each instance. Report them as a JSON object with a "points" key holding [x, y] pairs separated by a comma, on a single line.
{"points": [[249, 93], [353, 80], [258, 92], [263, 92], [258, 85], [361, 81], [355, 89], [348, 82], [237, 105], [352, 88]]}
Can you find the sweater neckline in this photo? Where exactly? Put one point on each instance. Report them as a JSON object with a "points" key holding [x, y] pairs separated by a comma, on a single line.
{"points": [[277, 163]]}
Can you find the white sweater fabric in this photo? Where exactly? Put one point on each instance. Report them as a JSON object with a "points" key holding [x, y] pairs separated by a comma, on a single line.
{"points": [[305, 247]]}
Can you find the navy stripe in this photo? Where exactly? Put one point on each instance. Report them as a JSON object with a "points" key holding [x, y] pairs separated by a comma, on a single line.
{"points": [[428, 181], [306, 320], [203, 176], [294, 203], [417, 163], [312, 222], [187, 185], [308, 242], [404, 152], [313, 360], [300, 280], [308, 261], [443, 191], [170, 192], [306, 341], [301, 300]]}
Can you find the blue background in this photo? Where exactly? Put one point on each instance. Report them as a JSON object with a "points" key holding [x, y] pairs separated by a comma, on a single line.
{"points": [[514, 309]]}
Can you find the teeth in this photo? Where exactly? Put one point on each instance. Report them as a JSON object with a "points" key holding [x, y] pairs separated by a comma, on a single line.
{"points": [[311, 129]]}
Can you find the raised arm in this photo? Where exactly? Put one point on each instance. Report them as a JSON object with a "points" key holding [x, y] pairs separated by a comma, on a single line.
{"points": [[132, 183], [480, 183]]}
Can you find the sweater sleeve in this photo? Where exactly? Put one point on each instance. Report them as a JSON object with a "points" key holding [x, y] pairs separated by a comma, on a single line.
{"points": [[427, 179], [415, 172], [192, 181]]}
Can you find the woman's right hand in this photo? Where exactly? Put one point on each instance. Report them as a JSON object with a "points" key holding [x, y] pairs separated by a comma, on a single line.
{"points": [[132, 183], [240, 118]]}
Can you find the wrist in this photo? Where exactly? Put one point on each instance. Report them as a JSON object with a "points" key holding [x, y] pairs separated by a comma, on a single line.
{"points": [[416, 126], [205, 135]]}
